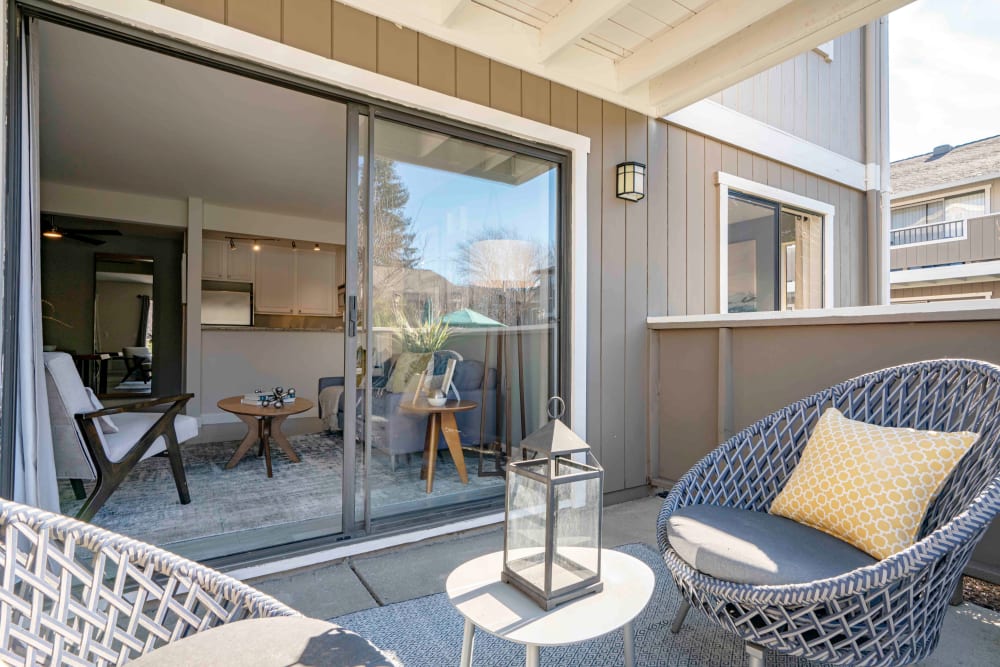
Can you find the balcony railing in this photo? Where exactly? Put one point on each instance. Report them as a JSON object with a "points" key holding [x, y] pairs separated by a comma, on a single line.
{"points": [[931, 233], [952, 242]]}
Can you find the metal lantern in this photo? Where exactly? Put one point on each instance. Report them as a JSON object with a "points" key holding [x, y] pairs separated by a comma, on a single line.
{"points": [[631, 181], [552, 531]]}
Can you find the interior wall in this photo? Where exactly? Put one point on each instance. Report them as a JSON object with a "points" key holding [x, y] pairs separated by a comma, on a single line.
{"points": [[68, 283]]}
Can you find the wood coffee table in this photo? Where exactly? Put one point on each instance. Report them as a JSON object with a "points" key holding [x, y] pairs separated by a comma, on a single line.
{"points": [[262, 425], [440, 421]]}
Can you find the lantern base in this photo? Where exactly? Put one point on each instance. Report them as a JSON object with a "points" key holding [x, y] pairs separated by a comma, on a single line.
{"points": [[550, 603]]}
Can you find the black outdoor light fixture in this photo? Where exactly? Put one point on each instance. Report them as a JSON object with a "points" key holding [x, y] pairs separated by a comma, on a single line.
{"points": [[631, 181]]}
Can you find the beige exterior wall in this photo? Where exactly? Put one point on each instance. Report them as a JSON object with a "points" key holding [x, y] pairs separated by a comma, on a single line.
{"points": [[772, 366], [655, 256], [982, 242], [977, 288], [796, 97]]}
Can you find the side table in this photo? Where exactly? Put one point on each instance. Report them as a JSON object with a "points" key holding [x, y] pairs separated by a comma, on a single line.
{"points": [[440, 421], [263, 424], [500, 609]]}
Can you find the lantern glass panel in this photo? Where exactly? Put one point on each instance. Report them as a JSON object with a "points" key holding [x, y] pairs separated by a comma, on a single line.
{"points": [[526, 504], [577, 525]]}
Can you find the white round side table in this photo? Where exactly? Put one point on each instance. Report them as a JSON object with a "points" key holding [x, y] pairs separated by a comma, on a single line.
{"points": [[500, 609]]}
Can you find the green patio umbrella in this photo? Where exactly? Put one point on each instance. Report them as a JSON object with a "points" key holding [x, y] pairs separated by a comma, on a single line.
{"points": [[467, 318]]}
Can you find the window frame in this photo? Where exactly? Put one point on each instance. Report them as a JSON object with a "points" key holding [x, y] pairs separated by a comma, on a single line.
{"points": [[827, 212], [941, 196]]}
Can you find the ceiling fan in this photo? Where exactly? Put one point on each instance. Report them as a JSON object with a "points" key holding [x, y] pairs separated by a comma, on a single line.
{"points": [[53, 231]]}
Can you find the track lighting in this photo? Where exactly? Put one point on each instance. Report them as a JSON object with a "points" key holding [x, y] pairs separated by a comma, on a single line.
{"points": [[256, 245], [52, 233], [316, 247], [232, 243], [294, 247]]}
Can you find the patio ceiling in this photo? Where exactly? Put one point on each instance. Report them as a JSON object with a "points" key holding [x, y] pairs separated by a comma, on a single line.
{"points": [[654, 56]]}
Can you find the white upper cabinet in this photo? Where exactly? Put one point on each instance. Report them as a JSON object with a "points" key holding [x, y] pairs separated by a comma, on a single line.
{"points": [[274, 283], [316, 283], [220, 262]]}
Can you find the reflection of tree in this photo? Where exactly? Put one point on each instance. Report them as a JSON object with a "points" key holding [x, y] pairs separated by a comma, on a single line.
{"points": [[501, 270]]}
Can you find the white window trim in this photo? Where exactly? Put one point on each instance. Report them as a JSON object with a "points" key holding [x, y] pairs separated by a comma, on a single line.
{"points": [[942, 297], [927, 198], [726, 182], [164, 21]]}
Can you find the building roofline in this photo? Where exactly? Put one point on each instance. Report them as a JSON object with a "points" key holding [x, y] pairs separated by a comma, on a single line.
{"points": [[931, 152], [950, 185]]}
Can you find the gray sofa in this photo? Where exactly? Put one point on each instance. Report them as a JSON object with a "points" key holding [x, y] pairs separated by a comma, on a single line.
{"points": [[396, 432]]}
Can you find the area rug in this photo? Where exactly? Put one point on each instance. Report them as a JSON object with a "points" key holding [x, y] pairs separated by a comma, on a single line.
{"points": [[223, 501], [427, 632]]}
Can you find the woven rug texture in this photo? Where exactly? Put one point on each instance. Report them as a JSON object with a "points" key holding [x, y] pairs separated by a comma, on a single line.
{"points": [[427, 632]]}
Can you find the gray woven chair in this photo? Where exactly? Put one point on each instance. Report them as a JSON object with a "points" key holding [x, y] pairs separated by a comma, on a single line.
{"points": [[75, 594], [889, 613]]}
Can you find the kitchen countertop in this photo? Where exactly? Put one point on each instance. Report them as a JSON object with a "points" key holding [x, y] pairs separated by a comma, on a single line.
{"points": [[226, 327]]}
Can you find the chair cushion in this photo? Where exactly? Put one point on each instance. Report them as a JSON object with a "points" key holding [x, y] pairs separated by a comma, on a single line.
{"points": [[468, 375], [758, 548], [131, 426], [285, 641], [67, 397], [107, 424], [869, 485]]}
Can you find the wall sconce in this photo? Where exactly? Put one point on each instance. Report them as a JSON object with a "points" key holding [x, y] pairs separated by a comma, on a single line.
{"points": [[631, 181], [232, 243], [316, 247]]}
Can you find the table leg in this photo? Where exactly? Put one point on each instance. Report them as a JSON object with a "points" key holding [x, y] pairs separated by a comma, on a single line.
{"points": [[253, 430], [427, 448], [468, 637], [280, 438], [450, 429], [430, 454], [629, 635], [530, 655], [265, 442]]}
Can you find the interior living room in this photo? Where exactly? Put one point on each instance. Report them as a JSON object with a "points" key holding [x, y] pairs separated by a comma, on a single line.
{"points": [[219, 235]]}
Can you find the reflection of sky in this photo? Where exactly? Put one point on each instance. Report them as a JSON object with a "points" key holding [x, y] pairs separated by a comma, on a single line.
{"points": [[448, 209]]}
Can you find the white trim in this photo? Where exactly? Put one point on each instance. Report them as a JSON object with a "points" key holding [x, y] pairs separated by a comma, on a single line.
{"points": [[186, 28], [916, 312], [729, 126], [963, 237], [900, 277], [826, 50], [361, 547], [725, 182], [944, 193], [944, 187], [572, 23]]}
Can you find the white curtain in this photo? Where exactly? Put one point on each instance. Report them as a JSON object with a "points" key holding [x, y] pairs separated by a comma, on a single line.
{"points": [[34, 466]]}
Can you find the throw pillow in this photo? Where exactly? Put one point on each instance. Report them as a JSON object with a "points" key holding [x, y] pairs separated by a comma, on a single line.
{"points": [[106, 423], [867, 485], [407, 370]]}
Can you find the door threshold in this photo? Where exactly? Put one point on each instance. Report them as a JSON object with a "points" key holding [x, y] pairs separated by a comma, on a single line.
{"points": [[362, 545]]}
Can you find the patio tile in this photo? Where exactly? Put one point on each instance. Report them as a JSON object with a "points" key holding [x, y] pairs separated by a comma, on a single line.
{"points": [[422, 570], [971, 637], [634, 521], [323, 592]]}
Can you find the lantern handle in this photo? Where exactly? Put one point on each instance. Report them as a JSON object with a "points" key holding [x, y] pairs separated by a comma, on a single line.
{"points": [[560, 405]]}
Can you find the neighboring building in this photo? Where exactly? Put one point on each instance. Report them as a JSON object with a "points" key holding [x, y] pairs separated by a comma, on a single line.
{"points": [[945, 237], [761, 186]]}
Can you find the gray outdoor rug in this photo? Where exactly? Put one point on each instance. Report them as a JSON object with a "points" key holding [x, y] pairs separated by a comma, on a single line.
{"points": [[427, 632], [224, 501]]}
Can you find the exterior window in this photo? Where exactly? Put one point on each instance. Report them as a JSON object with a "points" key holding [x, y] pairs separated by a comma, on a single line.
{"points": [[775, 256], [958, 207]]}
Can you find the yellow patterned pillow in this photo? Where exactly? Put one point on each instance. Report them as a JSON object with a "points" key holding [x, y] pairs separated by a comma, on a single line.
{"points": [[867, 485]]}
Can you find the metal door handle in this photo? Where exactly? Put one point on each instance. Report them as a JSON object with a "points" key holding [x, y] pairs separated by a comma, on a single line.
{"points": [[352, 316]]}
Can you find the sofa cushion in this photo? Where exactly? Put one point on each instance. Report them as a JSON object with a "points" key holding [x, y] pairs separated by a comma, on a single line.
{"points": [[468, 375], [131, 426], [869, 485], [758, 548]]}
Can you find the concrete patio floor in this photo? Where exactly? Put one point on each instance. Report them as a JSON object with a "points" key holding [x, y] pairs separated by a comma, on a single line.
{"points": [[971, 634]]}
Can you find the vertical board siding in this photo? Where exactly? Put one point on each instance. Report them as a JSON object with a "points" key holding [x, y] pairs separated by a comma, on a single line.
{"points": [[695, 222], [355, 37], [677, 221], [308, 25], [657, 249], [397, 54], [436, 65], [992, 287], [799, 96], [563, 107], [535, 98], [209, 9], [505, 88], [613, 295], [636, 333], [472, 77], [261, 17]]}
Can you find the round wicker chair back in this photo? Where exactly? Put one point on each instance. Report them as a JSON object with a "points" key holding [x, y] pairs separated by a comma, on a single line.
{"points": [[76, 594], [889, 613]]}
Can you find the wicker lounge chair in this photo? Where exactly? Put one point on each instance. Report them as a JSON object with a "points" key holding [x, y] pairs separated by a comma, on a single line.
{"points": [[887, 613], [75, 594]]}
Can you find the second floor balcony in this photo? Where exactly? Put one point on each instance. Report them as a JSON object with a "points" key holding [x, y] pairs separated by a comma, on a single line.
{"points": [[949, 242]]}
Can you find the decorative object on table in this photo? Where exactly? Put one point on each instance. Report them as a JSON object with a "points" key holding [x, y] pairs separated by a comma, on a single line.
{"points": [[436, 398], [879, 612], [276, 398], [552, 523]]}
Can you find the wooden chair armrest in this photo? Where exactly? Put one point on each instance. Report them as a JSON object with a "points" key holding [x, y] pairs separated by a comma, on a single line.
{"points": [[179, 400]]}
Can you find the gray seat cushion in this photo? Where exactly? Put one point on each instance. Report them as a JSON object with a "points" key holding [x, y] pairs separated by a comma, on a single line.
{"points": [[286, 641], [758, 548]]}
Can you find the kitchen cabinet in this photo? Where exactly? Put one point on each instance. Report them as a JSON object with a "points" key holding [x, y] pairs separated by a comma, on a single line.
{"points": [[289, 282], [219, 262], [274, 281]]}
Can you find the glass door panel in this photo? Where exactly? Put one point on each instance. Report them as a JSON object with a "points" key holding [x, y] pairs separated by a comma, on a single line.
{"points": [[463, 265], [753, 246]]}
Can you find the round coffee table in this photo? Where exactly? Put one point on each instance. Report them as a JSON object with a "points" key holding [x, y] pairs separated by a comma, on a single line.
{"points": [[500, 609], [262, 425], [440, 420]]}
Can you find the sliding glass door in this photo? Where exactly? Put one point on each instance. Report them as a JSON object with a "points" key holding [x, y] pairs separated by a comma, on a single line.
{"points": [[457, 276]]}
